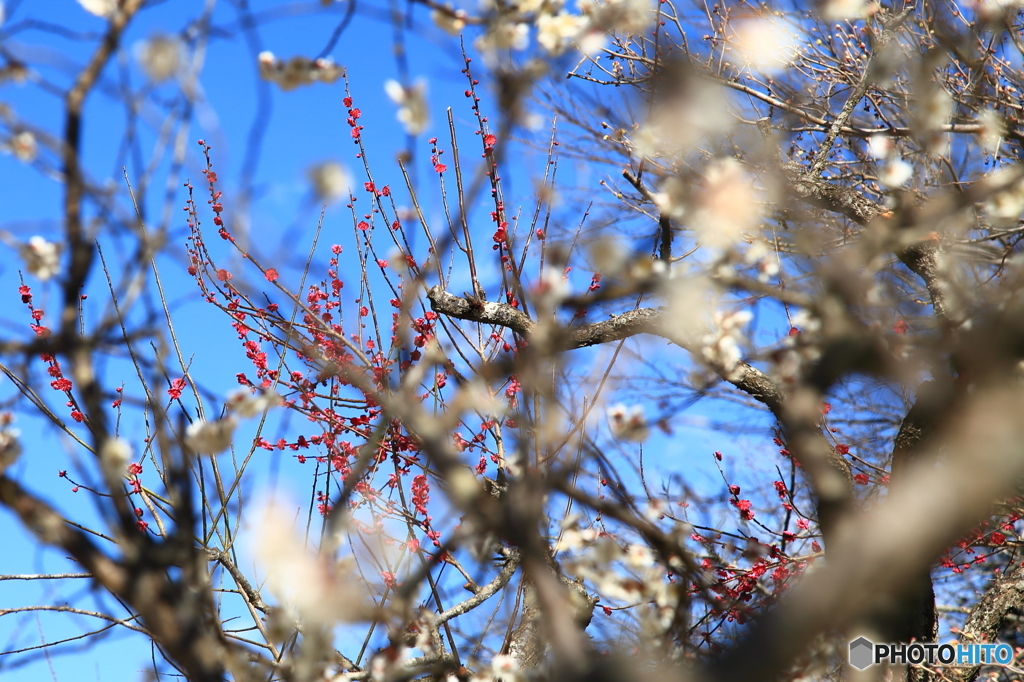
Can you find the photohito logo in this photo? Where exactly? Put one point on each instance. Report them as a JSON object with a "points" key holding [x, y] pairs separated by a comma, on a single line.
{"points": [[863, 653]]}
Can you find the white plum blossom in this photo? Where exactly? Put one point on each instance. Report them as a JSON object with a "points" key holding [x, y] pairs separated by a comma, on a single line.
{"points": [[639, 556], [23, 145], [765, 45], [114, 456], [935, 108], [10, 447], [318, 591], [573, 538], [654, 510], [993, 130], [1007, 204], [628, 423], [619, 16], [698, 107], [210, 438], [727, 207], [721, 347], [671, 200], [691, 307], [606, 551], [42, 257], [503, 34], [531, 6], [880, 145], [379, 668], [243, 403], [329, 181], [100, 8], [799, 349], [553, 286], [995, 10], [451, 21], [213, 437], [463, 486], [412, 104], [836, 10], [160, 57], [424, 634], [556, 31], [608, 255], [297, 71], [895, 173], [643, 581], [806, 322], [766, 260], [505, 667]]}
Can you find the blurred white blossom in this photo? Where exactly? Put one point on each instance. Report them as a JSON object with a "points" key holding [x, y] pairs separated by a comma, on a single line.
{"points": [[837, 10], [318, 590], [647, 583], [245, 404], [297, 71], [573, 538], [765, 259], [880, 145], [463, 486], [160, 57], [531, 6], [806, 322], [412, 104], [556, 31], [993, 129], [10, 447], [101, 8], [504, 34], [721, 346], [895, 173], [505, 667], [592, 41], [671, 200], [992, 11], [329, 180], [23, 145], [620, 16], [1009, 203], [655, 510], [764, 44], [42, 258], [691, 306], [934, 107], [451, 21], [210, 438], [552, 287], [1006, 205], [608, 255], [114, 456], [424, 633], [697, 107], [628, 423], [639, 556], [727, 207], [800, 348]]}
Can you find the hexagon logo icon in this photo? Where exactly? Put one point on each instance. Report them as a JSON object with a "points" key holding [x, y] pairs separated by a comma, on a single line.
{"points": [[861, 650]]}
